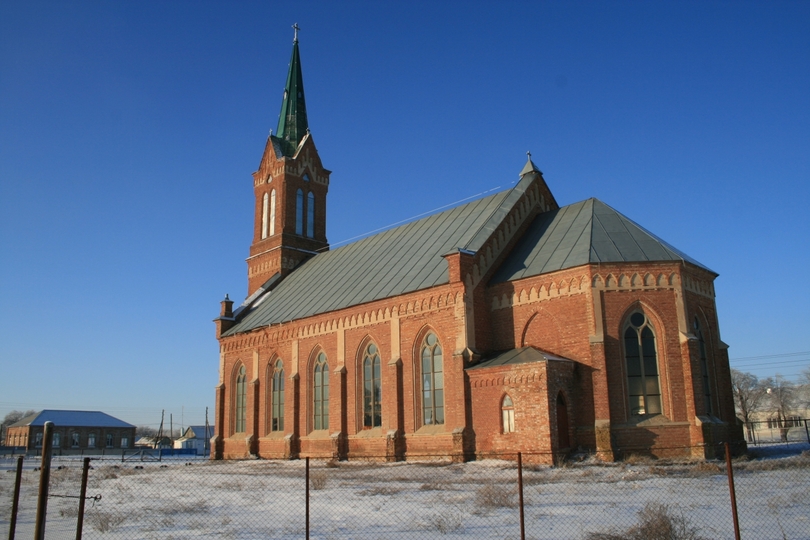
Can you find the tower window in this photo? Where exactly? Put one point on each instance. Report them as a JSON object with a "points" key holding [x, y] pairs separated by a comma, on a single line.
{"points": [[642, 366], [265, 203], [432, 381], [310, 214], [306, 177], [272, 212], [299, 212], [320, 394], [372, 388]]}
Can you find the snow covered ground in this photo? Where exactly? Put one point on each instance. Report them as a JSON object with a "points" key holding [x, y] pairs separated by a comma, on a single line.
{"points": [[265, 499]]}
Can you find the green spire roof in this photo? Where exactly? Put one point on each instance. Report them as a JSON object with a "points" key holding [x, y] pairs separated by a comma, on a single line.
{"points": [[292, 121]]}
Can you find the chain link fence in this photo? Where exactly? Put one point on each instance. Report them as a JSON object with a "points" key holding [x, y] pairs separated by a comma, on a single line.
{"points": [[581, 498]]}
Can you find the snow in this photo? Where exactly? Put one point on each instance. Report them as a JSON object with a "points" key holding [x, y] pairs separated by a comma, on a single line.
{"points": [[265, 499]]}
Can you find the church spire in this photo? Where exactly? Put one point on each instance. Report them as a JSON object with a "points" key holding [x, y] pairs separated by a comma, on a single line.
{"points": [[292, 121]]}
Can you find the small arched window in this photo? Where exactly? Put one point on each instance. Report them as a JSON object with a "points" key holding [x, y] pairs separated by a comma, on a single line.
{"points": [[507, 415], [432, 381], [310, 214], [372, 388], [320, 394], [272, 212], [277, 398], [299, 212], [241, 399], [641, 360], [704, 369], [265, 204], [305, 177]]}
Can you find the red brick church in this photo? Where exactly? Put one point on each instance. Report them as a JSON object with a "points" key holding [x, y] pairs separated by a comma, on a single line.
{"points": [[505, 324]]}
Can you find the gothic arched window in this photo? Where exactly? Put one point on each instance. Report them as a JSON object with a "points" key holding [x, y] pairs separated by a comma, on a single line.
{"points": [[265, 203], [432, 381], [299, 212], [310, 214], [320, 394], [241, 400], [277, 398], [272, 212], [641, 360], [507, 415], [372, 388], [704, 369]]}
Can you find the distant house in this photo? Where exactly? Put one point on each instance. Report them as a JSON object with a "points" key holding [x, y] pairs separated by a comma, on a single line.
{"points": [[196, 437], [74, 432]]}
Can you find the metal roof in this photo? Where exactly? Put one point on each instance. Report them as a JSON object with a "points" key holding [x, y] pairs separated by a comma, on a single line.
{"points": [[397, 261], [73, 419], [585, 232], [523, 355], [292, 121]]}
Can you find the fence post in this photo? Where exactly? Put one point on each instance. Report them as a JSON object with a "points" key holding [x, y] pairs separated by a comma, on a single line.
{"points": [[520, 496], [306, 491], [15, 505], [82, 493], [732, 493], [44, 482], [806, 431]]}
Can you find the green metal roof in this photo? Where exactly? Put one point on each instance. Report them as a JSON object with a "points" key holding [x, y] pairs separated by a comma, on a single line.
{"points": [[292, 121], [523, 355], [585, 232]]}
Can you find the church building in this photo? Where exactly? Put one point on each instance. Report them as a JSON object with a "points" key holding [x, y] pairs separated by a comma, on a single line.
{"points": [[506, 324]]}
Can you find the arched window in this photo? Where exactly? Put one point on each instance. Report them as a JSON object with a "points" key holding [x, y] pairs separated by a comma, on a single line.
{"points": [[277, 398], [432, 381], [265, 203], [241, 399], [372, 388], [310, 214], [642, 366], [299, 212], [272, 212], [507, 415], [320, 394], [704, 369]]}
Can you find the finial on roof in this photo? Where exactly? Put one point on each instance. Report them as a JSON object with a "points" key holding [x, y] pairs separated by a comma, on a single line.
{"points": [[226, 298], [530, 166], [296, 28], [530, 155]]}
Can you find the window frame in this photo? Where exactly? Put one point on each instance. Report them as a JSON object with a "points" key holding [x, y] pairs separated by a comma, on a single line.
{"points": [[265, 207], [371, 382], [277, 401], [310, 225], [432, 408], [644, 350], [320, 393], [507, 414], [705, 373], [299, 212], [240, 400]]}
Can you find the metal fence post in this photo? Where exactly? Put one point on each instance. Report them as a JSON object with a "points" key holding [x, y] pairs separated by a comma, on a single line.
{"points": [[520, 496], [82, 493], [306, 491], [44, 482], [732, 493], [15, 505]]}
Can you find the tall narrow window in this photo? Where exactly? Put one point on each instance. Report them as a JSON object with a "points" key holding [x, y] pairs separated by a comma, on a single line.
{"points": [[38, 439], [57, 439], [642, 366], [241, 399], [91, 440], [507, 415], [109, 440], [310, 214], [320, 387], [74, 440], [272, 212], [277, 397], [299, 212], [432, 381], [704, 369], [372, 388], [265, 203], [124, 442]]}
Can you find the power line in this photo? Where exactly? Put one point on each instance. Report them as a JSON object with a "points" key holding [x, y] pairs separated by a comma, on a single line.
{"points": [[765, 356]]}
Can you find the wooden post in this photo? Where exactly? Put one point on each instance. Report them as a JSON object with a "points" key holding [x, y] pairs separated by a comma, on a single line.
{"points": [[44, 482], [82, 493], [732, 493], [15, 505], [520, 497]]}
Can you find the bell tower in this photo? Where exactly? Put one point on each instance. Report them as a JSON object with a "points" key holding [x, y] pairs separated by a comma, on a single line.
{"points": [[290, 190]]}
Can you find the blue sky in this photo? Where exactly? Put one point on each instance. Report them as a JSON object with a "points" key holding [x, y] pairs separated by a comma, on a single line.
{"points": [[129, 130]]}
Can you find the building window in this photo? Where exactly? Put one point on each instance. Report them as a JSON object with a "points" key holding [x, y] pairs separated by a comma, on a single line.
{"points": [[272, 212], [91, 440], [704, 369], [38, 439], [320, 393], [432, 381], [124, 442], [109, 440], [241, 399], [74, 440], [57, 440], [372, 388], [642, 366], [265, 203], [507, 415], [277, 398], [306, 177], [310, 214], [299, 212]]}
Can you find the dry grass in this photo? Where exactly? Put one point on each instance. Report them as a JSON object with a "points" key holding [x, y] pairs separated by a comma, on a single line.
{"points": [[104, 522], [496, 496], [318, 480], [655, 522]]}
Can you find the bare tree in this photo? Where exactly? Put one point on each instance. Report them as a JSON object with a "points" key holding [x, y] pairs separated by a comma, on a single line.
{"points": [[749, 397], [804, 388], [782, 400]]}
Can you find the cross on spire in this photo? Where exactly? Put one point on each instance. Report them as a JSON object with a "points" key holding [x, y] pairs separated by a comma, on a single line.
{"points": [[296, 28]]}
